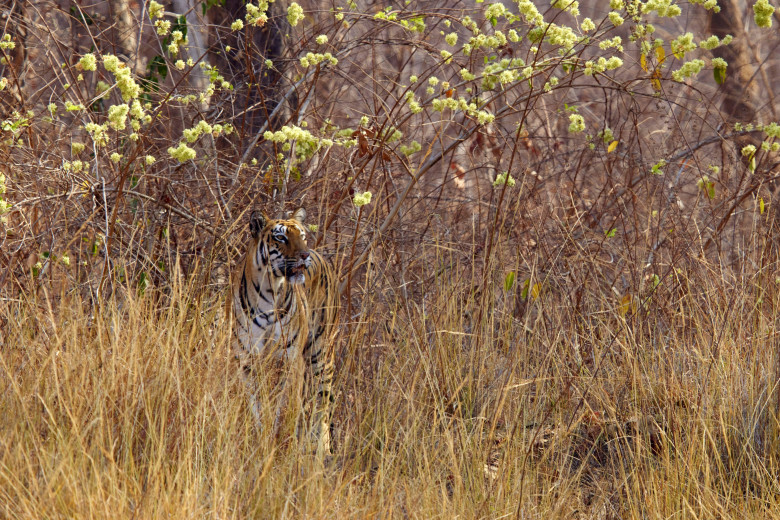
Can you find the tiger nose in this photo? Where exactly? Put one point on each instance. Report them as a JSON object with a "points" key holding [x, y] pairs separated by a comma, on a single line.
{"points": [[303, 255]]}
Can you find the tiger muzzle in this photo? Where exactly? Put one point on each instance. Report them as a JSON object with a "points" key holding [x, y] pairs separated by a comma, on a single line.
{"points": [[295, 269]]}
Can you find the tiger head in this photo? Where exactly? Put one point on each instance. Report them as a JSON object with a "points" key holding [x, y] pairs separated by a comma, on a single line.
{"points": [[281, 245]]}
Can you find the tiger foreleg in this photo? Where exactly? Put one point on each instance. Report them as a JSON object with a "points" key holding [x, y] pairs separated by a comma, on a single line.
{"points": [[321, 433], [322, 385], [252, 391], [292, 383]]}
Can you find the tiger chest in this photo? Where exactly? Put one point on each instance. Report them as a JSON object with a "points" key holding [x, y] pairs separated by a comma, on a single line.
{"points": [[271, 333]]}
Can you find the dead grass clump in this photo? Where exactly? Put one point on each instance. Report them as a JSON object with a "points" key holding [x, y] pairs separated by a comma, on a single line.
{"points": [[135, 409]]}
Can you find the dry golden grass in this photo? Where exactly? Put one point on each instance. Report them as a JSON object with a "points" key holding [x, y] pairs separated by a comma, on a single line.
{"points": [[134, 410]]}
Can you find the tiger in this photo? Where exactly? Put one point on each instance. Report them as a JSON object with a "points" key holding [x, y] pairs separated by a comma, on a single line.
{"points": [[285, 305]]}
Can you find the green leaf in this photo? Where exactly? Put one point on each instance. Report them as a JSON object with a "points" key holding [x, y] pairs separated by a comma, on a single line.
{"points": [[181, 25], [143, 282], [82, 17], [720, 75], [509, 281], [158, 65], [208, 4], [158, 71]]}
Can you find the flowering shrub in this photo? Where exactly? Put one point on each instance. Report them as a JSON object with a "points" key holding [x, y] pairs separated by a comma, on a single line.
{"points": [[476, 93]]}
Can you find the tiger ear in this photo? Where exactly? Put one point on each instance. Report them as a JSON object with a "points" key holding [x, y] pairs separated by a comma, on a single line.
{"points": [[257, 222], [299, 215]]}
